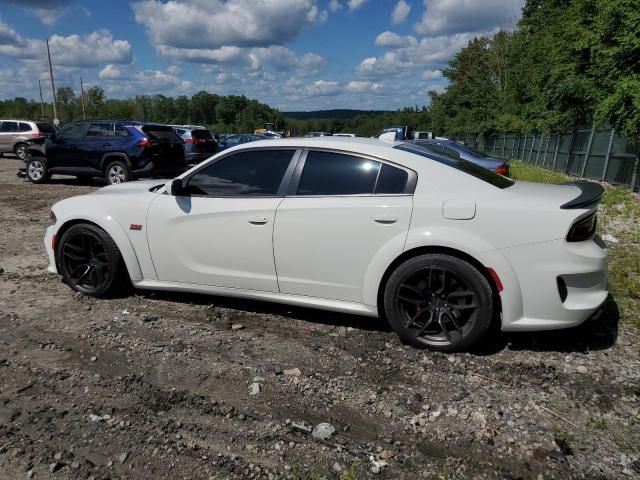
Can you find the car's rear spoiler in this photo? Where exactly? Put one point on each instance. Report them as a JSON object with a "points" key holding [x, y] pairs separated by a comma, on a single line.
{"points": [[590, 194]]}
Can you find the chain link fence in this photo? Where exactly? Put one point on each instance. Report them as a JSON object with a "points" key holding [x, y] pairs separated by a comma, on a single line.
{"points": [[595, 153]]}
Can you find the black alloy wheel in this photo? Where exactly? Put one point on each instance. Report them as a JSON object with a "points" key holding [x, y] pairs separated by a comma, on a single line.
{"points": [[90, 262], [440, 302]]}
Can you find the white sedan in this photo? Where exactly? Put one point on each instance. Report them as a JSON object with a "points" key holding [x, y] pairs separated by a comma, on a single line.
{"points": [[440, 247]]}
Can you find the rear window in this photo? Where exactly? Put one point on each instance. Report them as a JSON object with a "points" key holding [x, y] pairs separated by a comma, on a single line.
{"points": [[45, 127], [465, 166], [201, 134], [158, 132], [24, 127]]}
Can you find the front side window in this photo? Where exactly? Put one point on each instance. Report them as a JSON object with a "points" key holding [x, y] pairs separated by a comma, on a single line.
{"points": [[252, 173], [328, 173]]}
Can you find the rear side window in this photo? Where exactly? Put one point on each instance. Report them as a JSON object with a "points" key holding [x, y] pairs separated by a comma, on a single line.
{"points": [[9, 127], [120, 131], [391, 180], [24, 127], [99, 129], [327, 173], [465, 166], [45, 127], [158, 132], [201, 134], [253, 173]]}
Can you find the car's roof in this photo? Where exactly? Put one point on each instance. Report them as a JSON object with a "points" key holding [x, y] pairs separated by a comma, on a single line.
{"points": [[22, 120]]}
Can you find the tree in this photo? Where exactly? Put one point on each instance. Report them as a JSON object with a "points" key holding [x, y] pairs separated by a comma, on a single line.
{"points": [[66, 98], [95, 100]]}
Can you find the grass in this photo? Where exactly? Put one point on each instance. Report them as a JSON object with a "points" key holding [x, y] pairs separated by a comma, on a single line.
{"points": [[619, 219]]}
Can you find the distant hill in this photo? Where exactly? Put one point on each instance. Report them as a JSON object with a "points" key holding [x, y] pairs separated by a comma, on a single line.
{"points": [[329, 114]]}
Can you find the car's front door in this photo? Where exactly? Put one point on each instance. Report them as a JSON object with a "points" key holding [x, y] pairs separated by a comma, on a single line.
{"points": [[221, 233], [63, 150], [8, 130], [344, 210]]}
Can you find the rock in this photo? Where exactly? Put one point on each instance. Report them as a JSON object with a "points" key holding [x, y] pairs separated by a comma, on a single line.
{"points": [[54, 467], [337, 467], [610, 238], [301, 427], [237, 326], [293, 372], [323, 431], [75, 465], [386, 454], [123, 457], [149, 317], [94, 358], [57, 456], [342, 331], [254, 388], [581, 369], [30, 473]]}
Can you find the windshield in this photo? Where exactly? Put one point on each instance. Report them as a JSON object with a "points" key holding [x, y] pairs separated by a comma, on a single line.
{"points": [[465, 166]]}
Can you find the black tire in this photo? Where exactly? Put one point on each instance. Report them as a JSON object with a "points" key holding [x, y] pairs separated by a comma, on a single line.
{"points": [[37, 170], [21, 150], [90, 262], [440, 302], [117, 172]]}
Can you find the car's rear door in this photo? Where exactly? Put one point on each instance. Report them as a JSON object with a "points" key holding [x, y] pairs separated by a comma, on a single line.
{"points": [[96, 142], [343, 210], [221, 234]]}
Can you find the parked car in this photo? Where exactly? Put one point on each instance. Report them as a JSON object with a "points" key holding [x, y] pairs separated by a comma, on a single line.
{"points": [[440, 247], [16, 134], [116, 150], [395, 133], [457, 150], [316, 134], [238, 139], [344, 135], [199, 143]]}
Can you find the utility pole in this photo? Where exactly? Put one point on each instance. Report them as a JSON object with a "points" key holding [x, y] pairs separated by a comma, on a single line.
{"points": [[41, 101], [53, 87], [84, 116]]}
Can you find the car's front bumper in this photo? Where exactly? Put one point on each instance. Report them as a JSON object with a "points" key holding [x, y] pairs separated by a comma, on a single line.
{"points": [[49, 247], [548, 303]]}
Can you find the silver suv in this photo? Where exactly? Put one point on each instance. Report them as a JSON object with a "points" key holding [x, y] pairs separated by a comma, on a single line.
{"points": [[14, 135]]}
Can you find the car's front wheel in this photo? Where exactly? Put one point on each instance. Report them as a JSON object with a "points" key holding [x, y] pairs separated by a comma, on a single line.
{"points": [[21, 150], [439, 302], [90, 261], [117, 172], [37, 171]]}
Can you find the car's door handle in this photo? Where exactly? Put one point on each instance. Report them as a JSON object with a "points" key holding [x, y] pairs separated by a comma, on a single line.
{"points": [[258, 220], [385, 218]]}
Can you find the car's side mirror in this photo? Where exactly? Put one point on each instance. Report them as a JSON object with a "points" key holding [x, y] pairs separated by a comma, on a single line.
{"points": [[178, 188]]}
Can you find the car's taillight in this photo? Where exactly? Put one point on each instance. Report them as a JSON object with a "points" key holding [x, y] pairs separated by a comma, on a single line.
{"points": [[144, 143], [35, 134], [583, 229], [503, 170]]}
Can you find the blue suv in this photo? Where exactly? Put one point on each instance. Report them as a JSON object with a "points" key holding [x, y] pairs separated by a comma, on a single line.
{"points": [[118, 151]]}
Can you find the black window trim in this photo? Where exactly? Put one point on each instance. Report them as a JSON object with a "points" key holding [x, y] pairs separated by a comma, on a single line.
{"points": [[410, 187], [284, 183]]}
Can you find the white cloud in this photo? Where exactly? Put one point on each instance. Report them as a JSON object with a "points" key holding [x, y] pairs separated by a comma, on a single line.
{"points": [[400, 12], [90, 50], [214, 24], [359, 86], [393, 40], [335, 5], [445, 17], [48, 11], [110, 72], [432, 74], [409, 54], [356, 4]]}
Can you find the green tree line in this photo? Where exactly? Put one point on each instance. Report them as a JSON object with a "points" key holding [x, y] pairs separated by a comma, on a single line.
{"points": [[569, 62]]}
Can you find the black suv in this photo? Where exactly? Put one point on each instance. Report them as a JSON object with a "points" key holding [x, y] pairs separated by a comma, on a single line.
{"points": [[116, 150]]}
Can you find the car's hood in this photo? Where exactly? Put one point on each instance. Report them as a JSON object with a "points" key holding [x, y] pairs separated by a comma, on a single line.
{"points": [[131, 187]]}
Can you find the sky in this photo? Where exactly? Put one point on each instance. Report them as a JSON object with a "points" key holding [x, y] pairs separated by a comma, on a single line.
{"points": [[294, 55]]}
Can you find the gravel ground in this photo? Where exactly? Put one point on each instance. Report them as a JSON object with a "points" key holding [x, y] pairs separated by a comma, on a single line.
{"points": [[163, 385]]}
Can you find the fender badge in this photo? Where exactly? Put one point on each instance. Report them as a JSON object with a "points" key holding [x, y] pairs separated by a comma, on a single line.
{"points": [[135, 226]]}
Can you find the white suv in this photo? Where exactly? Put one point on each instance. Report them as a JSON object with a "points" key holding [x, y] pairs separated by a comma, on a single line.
{"points": [[14, 135]]}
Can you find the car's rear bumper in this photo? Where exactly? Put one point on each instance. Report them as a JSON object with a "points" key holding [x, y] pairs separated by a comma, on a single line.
{"points": [[561, 284]]}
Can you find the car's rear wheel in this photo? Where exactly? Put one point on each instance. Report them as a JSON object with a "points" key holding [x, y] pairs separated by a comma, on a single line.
{"points": [[117, 172], [90, 261], [21, 150], [439, 302], [37, 171]]}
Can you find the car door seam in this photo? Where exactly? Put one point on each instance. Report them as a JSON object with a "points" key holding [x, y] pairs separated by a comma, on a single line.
{"points": [[273, 242]]}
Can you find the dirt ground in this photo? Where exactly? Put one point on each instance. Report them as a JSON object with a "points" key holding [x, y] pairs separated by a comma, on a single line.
{"points": [[163, 385]]}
